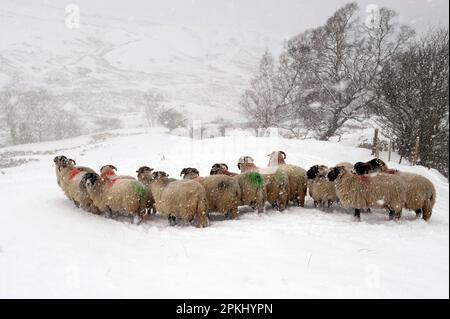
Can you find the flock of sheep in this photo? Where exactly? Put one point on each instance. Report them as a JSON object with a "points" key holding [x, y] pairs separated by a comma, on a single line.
{"points": [[360, 186]]}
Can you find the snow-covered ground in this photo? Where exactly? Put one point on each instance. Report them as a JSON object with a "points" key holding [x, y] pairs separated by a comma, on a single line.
{"points": [[49, 248]]}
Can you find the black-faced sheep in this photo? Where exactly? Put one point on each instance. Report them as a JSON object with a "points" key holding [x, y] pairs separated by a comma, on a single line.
{"points": [[420, 191], [296, 175], [320, 188], [120, 196], [276, 182], [362, 192], [144, 175], [69, 177], [185, 199], [223, 192]]}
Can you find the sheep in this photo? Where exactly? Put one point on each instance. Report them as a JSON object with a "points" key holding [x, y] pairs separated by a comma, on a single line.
{"points": [[109, 171], [185, 199], [222, 192], [320, 188], [420, 191], [296, 175], [144, 175], [276, 182], [69, 177], [119, 196], [371, 191], [221, 169]]}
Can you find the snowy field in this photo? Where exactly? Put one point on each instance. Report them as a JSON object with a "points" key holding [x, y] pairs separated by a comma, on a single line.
{"points": [[49, 248]]}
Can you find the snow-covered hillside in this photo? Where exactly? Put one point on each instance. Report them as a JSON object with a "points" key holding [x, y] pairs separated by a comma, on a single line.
{"points": [[112, 60], [49, 248]]}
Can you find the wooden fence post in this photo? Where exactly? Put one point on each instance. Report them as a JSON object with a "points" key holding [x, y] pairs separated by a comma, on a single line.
{"points": [[375, 143], [416, 151], [390, 150]]}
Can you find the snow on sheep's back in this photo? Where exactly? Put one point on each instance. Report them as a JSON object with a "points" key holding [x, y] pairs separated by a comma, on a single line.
{"points": [[49, 248]]}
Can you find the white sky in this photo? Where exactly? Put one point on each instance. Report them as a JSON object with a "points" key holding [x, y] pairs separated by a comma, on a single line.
{"points": [[282, 18]]}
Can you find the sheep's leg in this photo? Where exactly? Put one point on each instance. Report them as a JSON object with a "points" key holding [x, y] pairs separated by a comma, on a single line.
{"points": [[419, 213], [137, 220], [202, 220], [233, 213], [76, 203], [330, 203], [316, 204], [357, 214], [108, 213], [393, 215], [172, 220]]}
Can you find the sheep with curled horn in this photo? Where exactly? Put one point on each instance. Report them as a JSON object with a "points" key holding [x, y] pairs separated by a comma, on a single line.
{"points": [[320, 188], [297, 177], [370, 191], [109, 171], [117, 196], [420, 191], [276, 182], [222, 192], [185, 199], [144, 175], [221, 169], [69, 177]]}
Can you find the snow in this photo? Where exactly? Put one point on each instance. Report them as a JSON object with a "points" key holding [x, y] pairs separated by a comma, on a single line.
{"points": [[49, 248]]}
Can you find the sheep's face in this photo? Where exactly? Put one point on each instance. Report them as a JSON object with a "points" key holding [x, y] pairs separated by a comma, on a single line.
{"points": [[219, 169], [361, 168], [334, 173], [89, 181], [144, 172], [276, 158], [244, 160], [377, 165], [58, 159], [190, 173], [108, 170], [159, 176], [312, 172]]}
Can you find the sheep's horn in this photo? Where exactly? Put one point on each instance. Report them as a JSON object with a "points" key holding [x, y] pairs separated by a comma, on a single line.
{"points": [[73, 161], [113, 167], [183, 171], [284, 154]]}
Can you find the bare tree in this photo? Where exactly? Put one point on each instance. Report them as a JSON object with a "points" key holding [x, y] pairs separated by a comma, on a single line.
{"points": [[152, 107], [413, 91], [327, 74], [260, 101]]}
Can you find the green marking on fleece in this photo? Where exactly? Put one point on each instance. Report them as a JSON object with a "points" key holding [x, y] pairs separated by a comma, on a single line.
{"points": [[140, 190], [255, 179]]}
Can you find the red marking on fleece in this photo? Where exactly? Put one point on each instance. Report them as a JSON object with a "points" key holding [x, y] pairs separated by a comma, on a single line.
{"points": [[391, 171], [74, 173], [107, 174]]}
